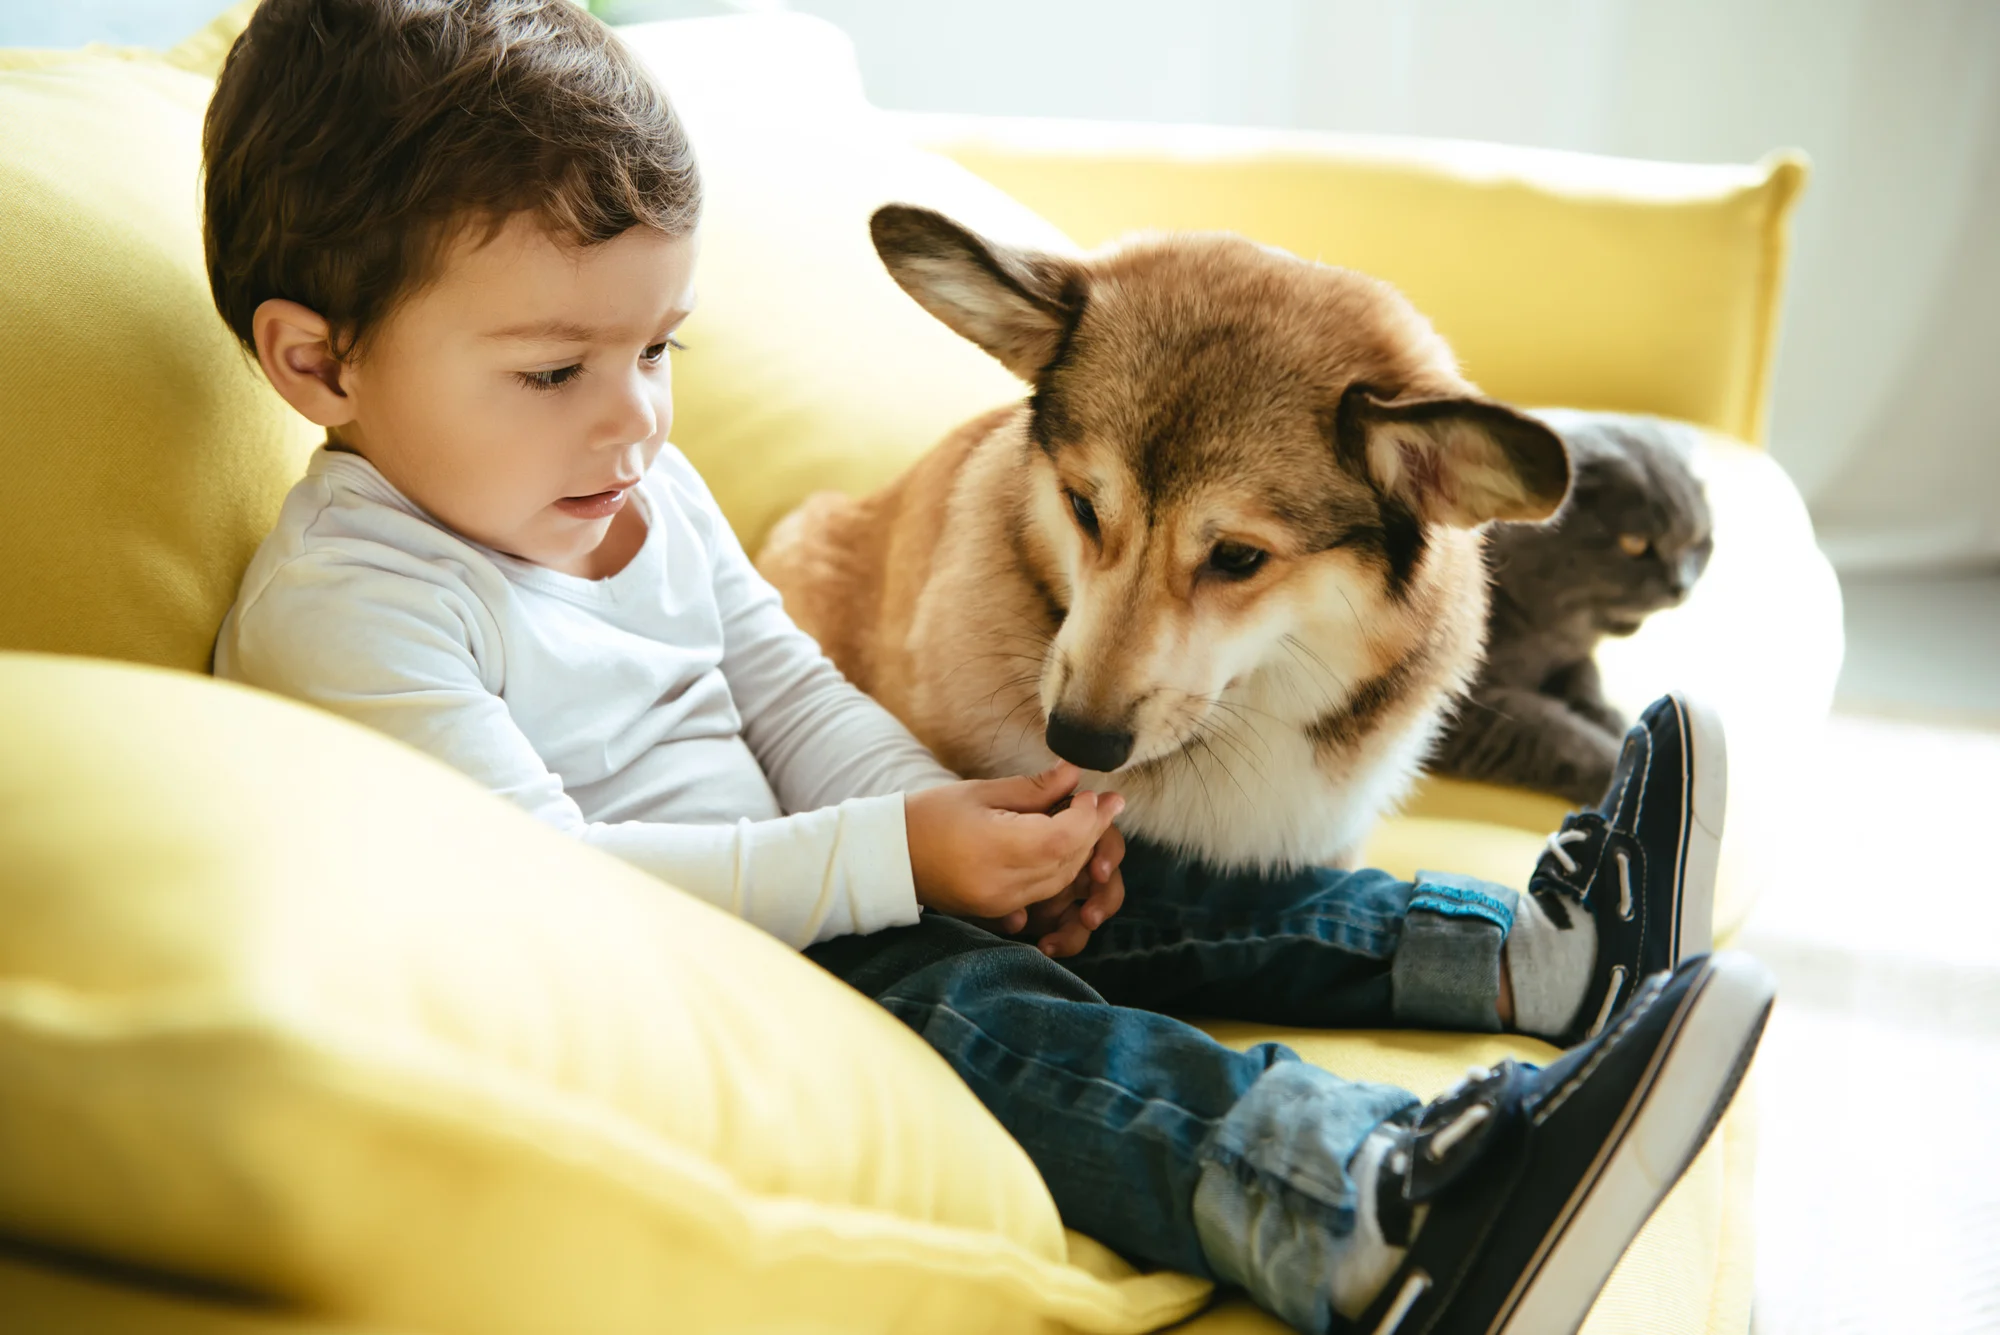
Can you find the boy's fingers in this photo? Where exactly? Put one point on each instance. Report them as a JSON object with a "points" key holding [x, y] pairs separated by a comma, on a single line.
{"points": [[1078, 829], [1032, 792], [1045, 915], [1010, 924], [1109, 854], [1069, 937], [1105, 899]]}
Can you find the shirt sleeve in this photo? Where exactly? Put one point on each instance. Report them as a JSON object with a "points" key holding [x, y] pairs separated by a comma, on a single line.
{"points": [[820, 740], [819, 737], [397, 653]]}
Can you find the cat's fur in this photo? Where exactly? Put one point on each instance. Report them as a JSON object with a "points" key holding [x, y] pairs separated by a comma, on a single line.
{"points": [[1536, 716]]}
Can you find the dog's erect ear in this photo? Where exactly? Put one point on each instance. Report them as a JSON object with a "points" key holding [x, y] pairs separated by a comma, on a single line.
{"points": [[1016, 304], [1458, 461]]}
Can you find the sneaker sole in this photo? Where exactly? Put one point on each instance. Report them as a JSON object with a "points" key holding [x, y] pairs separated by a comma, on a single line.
{"points": [[1704, 805], [1671, 1114]]}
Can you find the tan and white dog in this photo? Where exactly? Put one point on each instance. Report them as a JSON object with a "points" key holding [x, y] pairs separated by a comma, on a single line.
{"points": [[1226, 555]]}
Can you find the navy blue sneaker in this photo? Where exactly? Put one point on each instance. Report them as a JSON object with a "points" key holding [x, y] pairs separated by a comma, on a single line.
{"points": [[1524, 1186], [1642, 861]]}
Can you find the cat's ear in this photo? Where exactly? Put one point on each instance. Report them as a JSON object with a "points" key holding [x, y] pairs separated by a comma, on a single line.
{"points": [[1455, 460], [1017, 304]]}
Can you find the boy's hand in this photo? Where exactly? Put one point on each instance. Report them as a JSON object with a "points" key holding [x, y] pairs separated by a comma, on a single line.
{"points": [[1062, 926], [986, 848]]}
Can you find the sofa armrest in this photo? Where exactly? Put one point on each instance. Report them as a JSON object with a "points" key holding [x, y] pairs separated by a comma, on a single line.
{"points": [[1559, 278]]}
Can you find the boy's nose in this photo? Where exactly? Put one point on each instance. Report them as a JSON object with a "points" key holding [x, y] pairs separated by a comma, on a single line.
{"points": [[640, 417]]}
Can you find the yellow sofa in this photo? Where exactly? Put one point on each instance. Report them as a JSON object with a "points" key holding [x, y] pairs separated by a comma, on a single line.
{"points": [[300, 1032]]}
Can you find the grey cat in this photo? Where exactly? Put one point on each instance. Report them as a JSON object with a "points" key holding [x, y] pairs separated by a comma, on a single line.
{"points": [[1630, 539]]}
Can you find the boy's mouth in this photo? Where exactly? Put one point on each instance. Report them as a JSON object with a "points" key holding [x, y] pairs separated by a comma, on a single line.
{"points": [[597, 505]]}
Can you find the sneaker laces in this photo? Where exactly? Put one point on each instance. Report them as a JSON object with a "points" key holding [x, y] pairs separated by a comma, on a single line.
{"points": [[1557, 847], [1611, 991], [1406, 1297], [1417, 1282], [1457, 1129], [1468, 1119]]}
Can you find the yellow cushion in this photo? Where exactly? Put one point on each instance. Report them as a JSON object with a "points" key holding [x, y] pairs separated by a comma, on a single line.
{"points": [[145, 456], [1557, 277], [316, 1018], [289, 1007], [1661, 1286]]}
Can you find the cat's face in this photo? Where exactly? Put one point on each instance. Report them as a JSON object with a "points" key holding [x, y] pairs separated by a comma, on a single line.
{"points": [[1633, 535]]}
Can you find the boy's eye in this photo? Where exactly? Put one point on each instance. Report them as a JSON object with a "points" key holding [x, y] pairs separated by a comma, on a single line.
{"points": [[659, 350], [555, 379]]}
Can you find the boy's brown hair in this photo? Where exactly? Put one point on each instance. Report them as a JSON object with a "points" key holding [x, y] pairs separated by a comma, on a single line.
{"points": [[350, 142]]}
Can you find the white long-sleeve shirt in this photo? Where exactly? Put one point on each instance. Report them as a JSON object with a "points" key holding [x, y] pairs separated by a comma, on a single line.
{"points": [[671, 714]]}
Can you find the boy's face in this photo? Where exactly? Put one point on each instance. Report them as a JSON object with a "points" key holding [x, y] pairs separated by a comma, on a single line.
{"points": [[520, 396]]}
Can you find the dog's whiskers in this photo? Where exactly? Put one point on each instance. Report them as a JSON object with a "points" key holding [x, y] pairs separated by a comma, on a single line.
{"points": [[1328, 698], [1228, 737], [1001, 656], [1201, 738], [1026, 683], [1026, 699]]}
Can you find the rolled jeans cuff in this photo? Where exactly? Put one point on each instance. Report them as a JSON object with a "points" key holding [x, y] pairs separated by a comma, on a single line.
{"points": [[1275, 1207], [1446, 974]]}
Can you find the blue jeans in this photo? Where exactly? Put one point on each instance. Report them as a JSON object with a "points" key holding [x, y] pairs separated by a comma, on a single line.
{"points": [[1154, 1138]]}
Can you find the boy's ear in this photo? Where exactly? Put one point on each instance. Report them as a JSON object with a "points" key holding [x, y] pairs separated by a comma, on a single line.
{"points": [[1016, 304], [295, 348], [1455, 460]]}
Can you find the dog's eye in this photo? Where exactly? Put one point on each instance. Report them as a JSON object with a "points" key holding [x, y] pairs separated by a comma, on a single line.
{"points": [[1085, 512], [1634, 544], [1236, 560]]}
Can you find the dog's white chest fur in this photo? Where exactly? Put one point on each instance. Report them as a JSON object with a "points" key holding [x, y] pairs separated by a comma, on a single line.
{"points": [[1253, 790]]}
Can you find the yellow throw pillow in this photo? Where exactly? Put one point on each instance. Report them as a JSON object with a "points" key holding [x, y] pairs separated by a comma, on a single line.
{"points": [[143, 455], [291, 1008]]}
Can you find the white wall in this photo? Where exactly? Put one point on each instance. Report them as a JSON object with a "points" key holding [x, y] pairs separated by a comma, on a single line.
{"points": [[1887, 397]]}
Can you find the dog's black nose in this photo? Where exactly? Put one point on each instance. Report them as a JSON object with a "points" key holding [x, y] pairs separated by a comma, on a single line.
{"points": [[1088, 747]]}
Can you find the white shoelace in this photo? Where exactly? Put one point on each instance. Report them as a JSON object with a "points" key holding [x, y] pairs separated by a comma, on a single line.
{"points": [[1461, 1126], [1610, 1000], [1417, 1282], [1559, 851], [1457, 1129], [1406, 1298]]}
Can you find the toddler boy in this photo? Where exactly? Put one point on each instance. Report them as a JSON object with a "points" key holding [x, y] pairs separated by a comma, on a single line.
{"points": [[460, 235]]}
